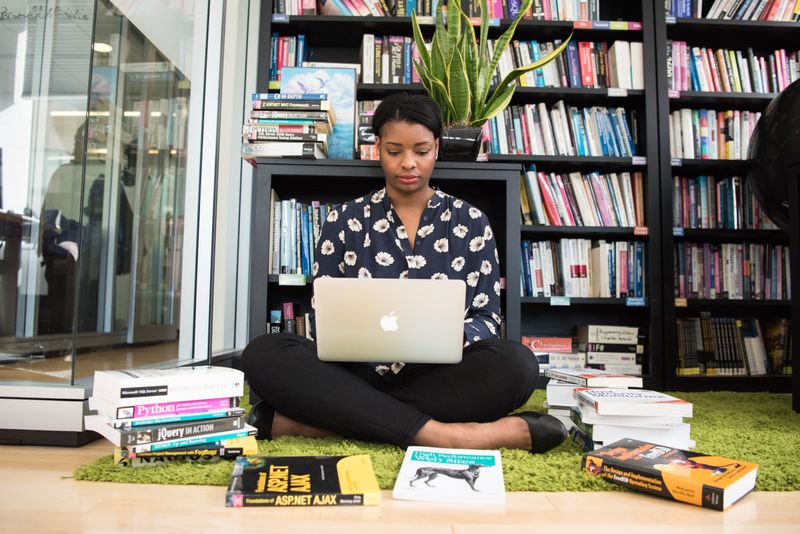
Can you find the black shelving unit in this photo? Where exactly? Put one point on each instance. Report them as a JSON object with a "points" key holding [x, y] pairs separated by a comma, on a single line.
{"points": [[489, 187], [338, 39], [762, 37]]}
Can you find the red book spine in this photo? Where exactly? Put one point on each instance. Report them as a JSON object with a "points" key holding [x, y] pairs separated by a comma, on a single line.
{"points": [[547, 198], [587, 67]]}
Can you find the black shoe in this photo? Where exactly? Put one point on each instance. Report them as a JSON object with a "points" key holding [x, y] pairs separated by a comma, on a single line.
{"points": [[546, 431], [261, 416]]}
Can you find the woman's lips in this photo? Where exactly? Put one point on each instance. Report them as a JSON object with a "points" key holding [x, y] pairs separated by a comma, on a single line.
{"points": [[408, 179]]}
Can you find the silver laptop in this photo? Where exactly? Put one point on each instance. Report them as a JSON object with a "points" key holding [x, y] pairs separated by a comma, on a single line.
{"points": [[389, 320]]}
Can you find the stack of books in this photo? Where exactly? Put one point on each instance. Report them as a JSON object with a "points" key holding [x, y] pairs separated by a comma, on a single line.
{"points": [[554, 352], [563, 383], [605, 415], [288, 125], [618, 349], [162, 415]]}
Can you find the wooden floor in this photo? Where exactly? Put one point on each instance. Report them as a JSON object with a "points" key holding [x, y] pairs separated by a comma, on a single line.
{"points": [[37, 495]]}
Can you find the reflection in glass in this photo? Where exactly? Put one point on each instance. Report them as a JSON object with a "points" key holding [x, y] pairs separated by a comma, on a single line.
{"points": [[94, 110]]}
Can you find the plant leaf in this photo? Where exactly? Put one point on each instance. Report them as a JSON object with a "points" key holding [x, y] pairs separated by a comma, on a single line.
{"points": [[482, 82], [496, 103], [424, 54], [460, 94], [502, 42]]}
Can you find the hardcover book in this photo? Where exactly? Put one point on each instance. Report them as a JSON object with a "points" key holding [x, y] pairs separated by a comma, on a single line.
{"points": [[340, 85], [451, 475], [146, 386], [633, 402], [692, 477], [594, 378], [303, 481], [209, 452]]}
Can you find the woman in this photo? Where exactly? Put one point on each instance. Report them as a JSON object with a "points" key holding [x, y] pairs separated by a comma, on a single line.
{"points": [[406, 230]]}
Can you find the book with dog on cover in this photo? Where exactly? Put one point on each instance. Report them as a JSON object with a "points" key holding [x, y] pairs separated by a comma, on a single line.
{"points": [[692, 477], [303, 481], [451, 475]]}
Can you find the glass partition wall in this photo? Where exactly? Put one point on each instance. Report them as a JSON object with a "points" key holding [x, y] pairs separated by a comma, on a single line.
{"points": [[94, 115]]}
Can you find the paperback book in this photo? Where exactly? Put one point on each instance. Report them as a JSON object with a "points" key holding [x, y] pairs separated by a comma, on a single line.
{"points": [[692, 477], [340, 85], [631, 402], [146, 386], [303, 481], [594, 378], [451, 475]]}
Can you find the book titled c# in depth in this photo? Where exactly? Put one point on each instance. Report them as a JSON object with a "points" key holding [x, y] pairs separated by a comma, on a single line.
{"points": [[303, 481]]}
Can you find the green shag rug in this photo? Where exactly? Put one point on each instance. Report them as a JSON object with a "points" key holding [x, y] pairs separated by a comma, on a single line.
{"points": [[756, 427]]}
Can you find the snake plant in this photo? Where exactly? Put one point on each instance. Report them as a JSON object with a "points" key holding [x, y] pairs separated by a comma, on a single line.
{"points": [[457, 70]]}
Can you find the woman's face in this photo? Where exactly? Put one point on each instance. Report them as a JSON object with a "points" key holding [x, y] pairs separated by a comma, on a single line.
{"points": [[408, 153]]}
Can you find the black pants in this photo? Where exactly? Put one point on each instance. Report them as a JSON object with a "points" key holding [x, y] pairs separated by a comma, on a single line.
{"points": [[494, 377]]}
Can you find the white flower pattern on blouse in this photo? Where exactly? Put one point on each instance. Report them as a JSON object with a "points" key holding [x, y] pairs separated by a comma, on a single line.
{"points": [[454, 240]]}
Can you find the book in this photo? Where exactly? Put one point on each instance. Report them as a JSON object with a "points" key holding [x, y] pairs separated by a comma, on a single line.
{"points": [[340, 85], [611, 401], [450, 475], [208, 452], [692, 477], [146, 386], [98, 424], [673, 436], [284, 149], [130, 437], [607, 334], [144, 412], [303, 481], [594, 378]]}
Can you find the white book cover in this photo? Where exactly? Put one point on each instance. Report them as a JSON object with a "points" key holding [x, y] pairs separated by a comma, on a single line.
{"points": [[608, 334], [451, 475], [637, 65], [146, 386], [614, 401], [594, 378], [560, 393], [588, 416]]}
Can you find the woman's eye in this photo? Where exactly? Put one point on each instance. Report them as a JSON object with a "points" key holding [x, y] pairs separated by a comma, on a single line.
{"points": [[425, 153], [393, 153]]}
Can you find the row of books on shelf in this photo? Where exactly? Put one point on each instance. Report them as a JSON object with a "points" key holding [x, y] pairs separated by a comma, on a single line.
{"points": [[576, 199], [611, 348], [763, 10], [753, 271], [561, 131], [295, 232], [583, 268], [694, 68], [711, 134], [154, 416], [286, 51], [583, 64], [288, 320], [497, 9], [389, 59], [716, 202], [728, 346]]}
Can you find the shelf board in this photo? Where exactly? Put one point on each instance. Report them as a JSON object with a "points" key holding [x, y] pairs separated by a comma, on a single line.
{"points": [[736, 236], [774, 383], [712, 165], [718, 99], [571, 94], [579, 301], [715, 32], [741, 303], [581, 231], [571, 162]]}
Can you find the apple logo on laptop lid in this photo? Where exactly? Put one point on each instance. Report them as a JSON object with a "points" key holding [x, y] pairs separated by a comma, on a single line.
{"points": [[389, 322]]}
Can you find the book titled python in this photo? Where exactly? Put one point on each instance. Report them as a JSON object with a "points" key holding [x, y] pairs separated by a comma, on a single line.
{"points": [[709, 481], [303, 481]]}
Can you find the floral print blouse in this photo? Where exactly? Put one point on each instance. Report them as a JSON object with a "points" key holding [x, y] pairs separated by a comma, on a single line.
{"points": [[364, 238]]}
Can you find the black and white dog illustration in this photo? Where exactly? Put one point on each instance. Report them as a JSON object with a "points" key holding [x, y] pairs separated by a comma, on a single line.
{"points": [[468, 474]]}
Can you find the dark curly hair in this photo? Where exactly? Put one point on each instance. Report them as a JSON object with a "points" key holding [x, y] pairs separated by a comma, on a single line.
{"points": [[416, 109]]}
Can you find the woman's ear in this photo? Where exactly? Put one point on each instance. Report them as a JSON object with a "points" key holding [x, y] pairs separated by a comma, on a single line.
{"points": [[436, 150], [378, 144]]}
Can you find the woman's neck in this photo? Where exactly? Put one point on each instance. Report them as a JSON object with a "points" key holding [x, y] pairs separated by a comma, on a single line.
{"points": [[418, 200]]}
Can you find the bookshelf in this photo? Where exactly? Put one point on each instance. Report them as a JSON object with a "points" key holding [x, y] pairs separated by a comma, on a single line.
{"points": [[763, 37], [338, 39]]}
